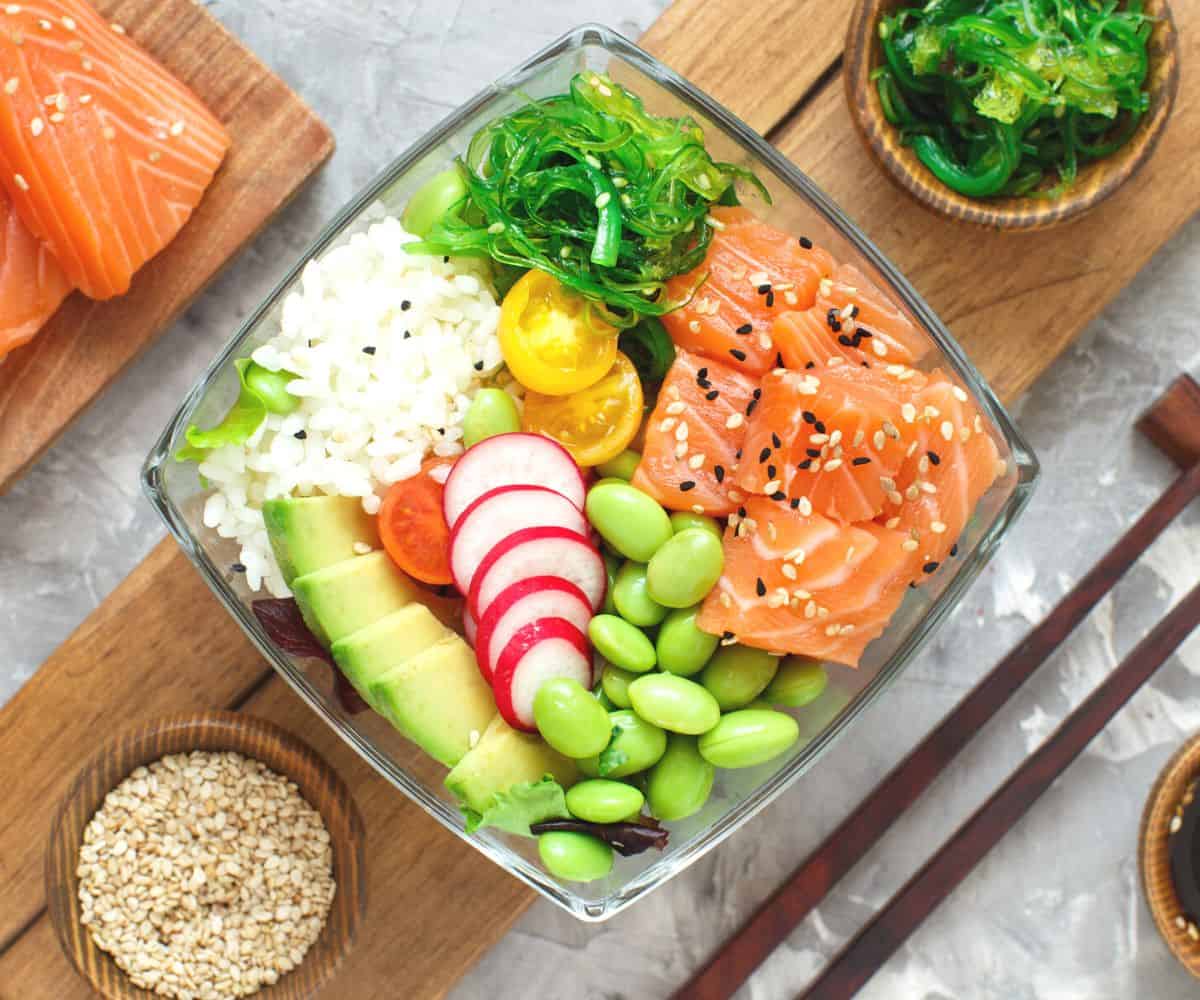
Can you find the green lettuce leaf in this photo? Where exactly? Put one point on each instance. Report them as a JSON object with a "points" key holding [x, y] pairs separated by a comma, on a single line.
{"points": [[261, 390], [611, 757], [522, 805]]}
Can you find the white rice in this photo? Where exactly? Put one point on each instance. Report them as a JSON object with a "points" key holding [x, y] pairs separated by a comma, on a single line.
{"points": [[370, 420]]}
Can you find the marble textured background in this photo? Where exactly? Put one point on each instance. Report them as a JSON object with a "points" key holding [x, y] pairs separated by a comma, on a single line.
{"points": [[1056, 911]]}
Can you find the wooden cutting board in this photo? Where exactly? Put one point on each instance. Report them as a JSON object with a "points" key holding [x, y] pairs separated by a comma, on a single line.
{"points": [[277, 145], [161, 642]]}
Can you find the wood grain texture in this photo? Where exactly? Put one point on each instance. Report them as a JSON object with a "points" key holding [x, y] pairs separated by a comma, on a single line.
{"points": [[265, 742], [277, 145], [1096, 181], [1154, 852]]}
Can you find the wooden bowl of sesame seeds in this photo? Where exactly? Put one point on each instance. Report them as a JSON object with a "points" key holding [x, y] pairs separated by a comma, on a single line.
{"points": [[313, 806], [1162, 819]]}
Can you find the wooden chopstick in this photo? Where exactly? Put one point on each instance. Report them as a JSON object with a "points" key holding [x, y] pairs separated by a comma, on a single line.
{"points": [[892, 925], [863, 828]]}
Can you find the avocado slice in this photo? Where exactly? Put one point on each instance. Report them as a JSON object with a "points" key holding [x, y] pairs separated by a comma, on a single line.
{"points": [[349, 595], [437, 699], [310, 533], [504, 757], [366, 655]]}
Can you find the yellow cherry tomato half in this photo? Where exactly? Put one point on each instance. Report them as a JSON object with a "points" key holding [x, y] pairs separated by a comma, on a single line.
{"points": [[593, 424], [552, 340]]}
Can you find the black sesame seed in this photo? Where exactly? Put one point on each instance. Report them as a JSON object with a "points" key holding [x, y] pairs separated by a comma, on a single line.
{"points": [[779, 360], [726, 635], [934, 457], [813, 452], [442, 431], [809, 417], [861, 460], [865, 364], [771, 470], [704, 383], [446, 259], [819, 427], [687, 484], [745, 328], [368, 349], [854, 312], [479, 366], [750, 406], [764, 289], [776, 441], [741, 512], [719, 472], [954, 549], [310, 343], [407, 334], [740, 355], [702, 372], [237, 568], [405, 305], [810, 364], [301, 434], [764, 455], [805, 465], [863, 332], [806, 243], [760, 588], [779, 495], [844, 340], [770, 300], [738, 454], [757, 394], [929, 567], [710, 396], [794, 503]]}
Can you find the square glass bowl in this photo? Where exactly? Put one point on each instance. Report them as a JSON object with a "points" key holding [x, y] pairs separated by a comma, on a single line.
{"points": [[799, 207]]}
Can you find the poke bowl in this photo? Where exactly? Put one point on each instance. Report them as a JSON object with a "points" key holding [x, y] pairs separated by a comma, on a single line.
{"points": [[608, 465]]}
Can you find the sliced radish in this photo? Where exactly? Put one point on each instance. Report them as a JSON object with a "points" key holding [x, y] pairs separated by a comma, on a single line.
{"points": [[538, 552], [511, 460], [524, 602], [542, 650], [470, 629], [502, 512]]}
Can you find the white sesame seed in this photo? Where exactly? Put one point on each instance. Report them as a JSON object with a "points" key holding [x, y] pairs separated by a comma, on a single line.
{"points": [[117, 28], [912, 492], [833, 464], [37, 127], [697, 508], [12, 8], [85, 98], [154, 156], [694, 325], [11, 85], [927, 486], [891, 522], [818, 438], [361, 548], [879, 440], [805, 506], [44, 24], [603, 199], [964, 434], [667, 424], [908, 545], [772, 487], [735, 421], [958, 394], [890, 430], [681, 432], [765, 342], [788, 570], [908, 412], [1176, 824], [696, 460], [725, 599], [674, 409], [21, 182], [68, 23], [825, 287], [681, 449], [947, 430], [937, 527], [879, 347], [810, 609], [796, 556]]}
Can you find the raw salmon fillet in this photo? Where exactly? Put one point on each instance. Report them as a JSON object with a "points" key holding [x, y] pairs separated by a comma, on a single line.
{"points": [[103, 152], [812, 337], [805, 584], [32, 284], [692, 438], [852, 304], [952, 462], [729, 319]]}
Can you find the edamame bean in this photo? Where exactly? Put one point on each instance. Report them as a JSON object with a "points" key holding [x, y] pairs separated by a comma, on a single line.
{"points": [[799, 681], [685, 568], [570, 719], [736, 675], [612, 563], [674, 703], [620, 467], [622, 643], [492, 412], [631, 599], [433, 200], [576, 857], [600, 800], [748, 737], [681, 647], [681, 520], [639, 743], [679, 784], [615, 683], [271, 388], [631, 521]]}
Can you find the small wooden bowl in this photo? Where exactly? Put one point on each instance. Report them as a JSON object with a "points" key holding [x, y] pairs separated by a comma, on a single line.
{"points": [[216, 731], [1154, 858], [1096, 181]]}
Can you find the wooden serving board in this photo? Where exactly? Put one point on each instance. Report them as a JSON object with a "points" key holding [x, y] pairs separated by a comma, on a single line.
{"points": [[278, 142], [161, 643]]}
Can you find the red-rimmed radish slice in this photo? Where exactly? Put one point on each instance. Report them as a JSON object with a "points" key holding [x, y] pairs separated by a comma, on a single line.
{"points": [[470, 629], [502, 512], [538, 552], [524, 602], [542, 650], [515, 459]]}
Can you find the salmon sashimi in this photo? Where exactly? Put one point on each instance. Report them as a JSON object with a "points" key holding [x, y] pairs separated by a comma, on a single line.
{"points": [[807, 339], [752, 273], [104, 153], [806, 584], [32, 284], [854, 305], [693, 436], [830, 439], [952, 463]]}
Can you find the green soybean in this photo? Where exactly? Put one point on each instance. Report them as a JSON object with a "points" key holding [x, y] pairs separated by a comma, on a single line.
{"points": [[615, 682], [638, 746], [271, 388], [748, 737], [621, 643], [680, 783], [492, 412], [674, 703], [681, 646], [599, 800], [630, 521], [433, 200], [570, 719], [798, 681], [632, 599], [736, 675], [621, 467], [576, 857], [681, 520], [685, 568], [612, 563]]}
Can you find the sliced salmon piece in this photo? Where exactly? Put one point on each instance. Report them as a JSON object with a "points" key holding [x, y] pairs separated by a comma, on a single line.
{"points": [[32, 285], [806, 584], [830, 439], [104, 153], [852, 304], [729, 319], [811, 337], [953, 462], [693, 436]]}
